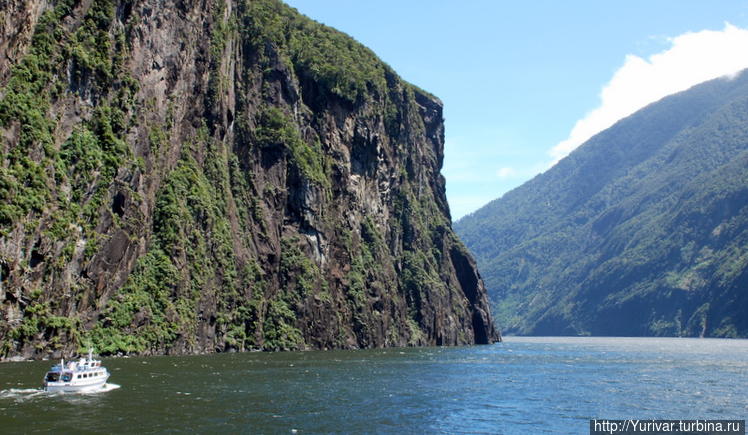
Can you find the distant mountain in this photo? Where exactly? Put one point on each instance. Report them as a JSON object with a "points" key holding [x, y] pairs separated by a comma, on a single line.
{"points": [[643, 230]]}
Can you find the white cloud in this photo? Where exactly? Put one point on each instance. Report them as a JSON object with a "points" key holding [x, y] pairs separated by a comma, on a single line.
{"points": [[506, 172], [693, 58]]}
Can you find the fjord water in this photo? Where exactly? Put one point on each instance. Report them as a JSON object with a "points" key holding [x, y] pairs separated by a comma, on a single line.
{"points": [[524, 385]]}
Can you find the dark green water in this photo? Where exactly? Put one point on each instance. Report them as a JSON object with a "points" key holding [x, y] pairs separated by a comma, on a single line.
{"points": [[525, 385]]}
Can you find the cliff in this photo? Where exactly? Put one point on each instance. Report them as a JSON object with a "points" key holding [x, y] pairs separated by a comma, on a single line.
{"points": [[641, 231], [186, 177]]}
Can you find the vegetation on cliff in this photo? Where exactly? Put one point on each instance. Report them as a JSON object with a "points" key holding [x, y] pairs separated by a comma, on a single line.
{"points": [[640, 231], [220, 176]]}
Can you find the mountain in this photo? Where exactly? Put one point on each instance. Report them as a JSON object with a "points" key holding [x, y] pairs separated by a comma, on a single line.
{"points": [[643, 230], [185, 177]]}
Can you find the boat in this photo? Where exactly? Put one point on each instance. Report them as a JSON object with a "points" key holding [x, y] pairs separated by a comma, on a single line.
{"points": [[85, 375]]}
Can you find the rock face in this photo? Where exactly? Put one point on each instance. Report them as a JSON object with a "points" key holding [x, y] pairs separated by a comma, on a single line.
{"points": [[641, 231], [184, 177]]}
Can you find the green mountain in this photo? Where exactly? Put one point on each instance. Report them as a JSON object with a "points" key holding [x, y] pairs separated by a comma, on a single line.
{"points": [[224, 175], [643, 230]]}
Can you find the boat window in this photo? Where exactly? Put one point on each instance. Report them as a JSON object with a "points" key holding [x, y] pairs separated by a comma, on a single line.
{"points": [[53, 377], [67, 377]]}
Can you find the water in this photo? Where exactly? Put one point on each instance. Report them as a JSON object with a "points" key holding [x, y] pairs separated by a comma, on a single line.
{"points": [[524, 385]]}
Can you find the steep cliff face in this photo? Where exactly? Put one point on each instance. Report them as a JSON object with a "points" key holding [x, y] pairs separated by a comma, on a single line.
{"points": [[182, 177]]}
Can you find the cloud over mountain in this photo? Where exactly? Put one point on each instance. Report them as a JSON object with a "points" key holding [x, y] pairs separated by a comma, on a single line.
{"points": [[692, 58]]}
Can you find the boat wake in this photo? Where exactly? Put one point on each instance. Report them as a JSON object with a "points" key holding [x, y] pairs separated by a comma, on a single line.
{"points": [[23, 394], [104, 388]]}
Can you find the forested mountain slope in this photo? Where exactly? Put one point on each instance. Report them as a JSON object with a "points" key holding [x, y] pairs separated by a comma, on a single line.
{"points": [[643, 230]]}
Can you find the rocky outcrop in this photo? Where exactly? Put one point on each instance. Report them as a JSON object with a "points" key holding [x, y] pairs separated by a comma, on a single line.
{"points": [[17, 22], [218, 176]]}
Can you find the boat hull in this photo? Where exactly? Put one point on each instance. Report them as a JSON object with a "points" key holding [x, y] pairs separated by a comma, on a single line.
{"points": [[75, 387]]}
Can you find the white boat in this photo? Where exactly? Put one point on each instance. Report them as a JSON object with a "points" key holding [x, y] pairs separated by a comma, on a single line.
{"points": [[86, 374]]}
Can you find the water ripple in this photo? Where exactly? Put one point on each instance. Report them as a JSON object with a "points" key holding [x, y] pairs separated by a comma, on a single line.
{"points": [[535, 385]]}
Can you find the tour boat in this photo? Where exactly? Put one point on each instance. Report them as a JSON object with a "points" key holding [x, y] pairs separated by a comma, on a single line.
{"points": [[84, 375]]}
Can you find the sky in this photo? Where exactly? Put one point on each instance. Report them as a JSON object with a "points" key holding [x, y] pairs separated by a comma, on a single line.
{"points": [[525, 82]]}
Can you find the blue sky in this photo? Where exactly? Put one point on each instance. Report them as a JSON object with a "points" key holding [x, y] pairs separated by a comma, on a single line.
{"points": [[516, 77]]}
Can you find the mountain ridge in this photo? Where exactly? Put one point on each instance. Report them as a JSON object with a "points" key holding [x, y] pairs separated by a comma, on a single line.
{"points": [[592, 222]]}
